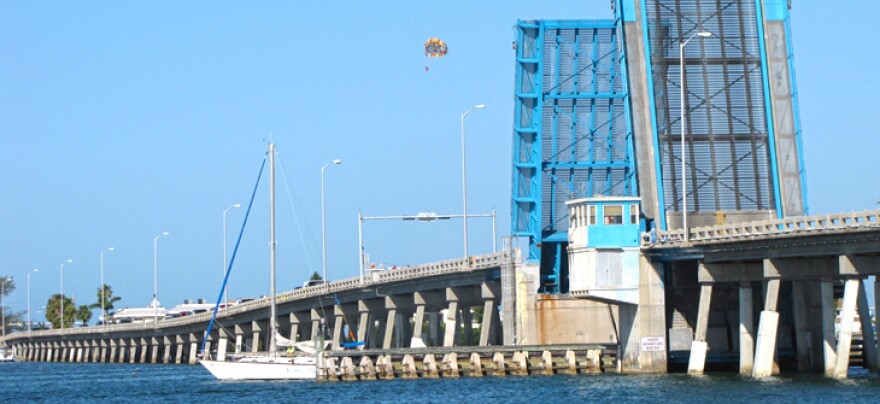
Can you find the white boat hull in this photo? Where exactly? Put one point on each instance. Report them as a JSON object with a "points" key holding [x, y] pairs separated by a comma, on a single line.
{"points": [[262, 369]]}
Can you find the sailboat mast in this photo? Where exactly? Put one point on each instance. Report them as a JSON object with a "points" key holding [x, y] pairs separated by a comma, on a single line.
{"points": [[272, 325]]}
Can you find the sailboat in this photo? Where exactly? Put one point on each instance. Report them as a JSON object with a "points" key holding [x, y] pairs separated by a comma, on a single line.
{"points": [[273, 366]]}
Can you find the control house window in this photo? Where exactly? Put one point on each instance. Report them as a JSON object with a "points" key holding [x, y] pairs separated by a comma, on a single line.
{"points": [[613, 214]]}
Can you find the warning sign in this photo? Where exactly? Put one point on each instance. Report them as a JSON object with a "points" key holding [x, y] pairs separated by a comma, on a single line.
{"points": [[653, 344]]}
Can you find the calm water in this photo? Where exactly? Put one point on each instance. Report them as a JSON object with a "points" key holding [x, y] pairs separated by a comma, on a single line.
{"points": [[169, 383]]}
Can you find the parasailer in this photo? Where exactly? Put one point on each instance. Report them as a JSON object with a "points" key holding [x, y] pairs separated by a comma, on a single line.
{"points": [[434, 48]]}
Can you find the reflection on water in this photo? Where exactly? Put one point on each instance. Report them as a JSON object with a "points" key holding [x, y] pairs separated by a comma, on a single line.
{"points": [[140, 383]]}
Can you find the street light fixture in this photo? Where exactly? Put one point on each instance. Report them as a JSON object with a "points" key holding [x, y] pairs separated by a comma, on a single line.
{"points": [[420, 217], [156, 277], [464, 176], [29, 298], [324, 220], [226, 292], [684, 226], [103, 293], [62, 290]]}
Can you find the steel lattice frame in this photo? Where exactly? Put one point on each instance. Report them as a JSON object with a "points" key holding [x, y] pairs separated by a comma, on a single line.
{"points": [[730, 164], [572, 131]]}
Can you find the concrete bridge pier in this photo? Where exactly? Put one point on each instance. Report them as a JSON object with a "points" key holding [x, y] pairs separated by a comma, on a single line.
{"points": [[416, 340], [71, 351], [256, 331], [194, 348], [452, 321], [768, 325], [178, 349], [132, 350], [365, 322], [155, 347], [398, 309], [317, 322], [144, 349], [746, 329], [490, 325], [223, 344], [699, 346], [113, 347], [79, 351], [239, 338]]}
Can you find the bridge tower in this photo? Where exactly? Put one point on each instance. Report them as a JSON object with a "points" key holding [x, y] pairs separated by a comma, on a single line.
{"points": [[597, 114]]}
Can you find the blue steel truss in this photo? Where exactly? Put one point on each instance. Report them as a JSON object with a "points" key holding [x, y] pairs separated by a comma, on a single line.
{"points": [[572, 132]]}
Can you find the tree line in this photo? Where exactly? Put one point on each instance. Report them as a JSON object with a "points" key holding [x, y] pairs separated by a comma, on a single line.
{"points": [[72, 312]]}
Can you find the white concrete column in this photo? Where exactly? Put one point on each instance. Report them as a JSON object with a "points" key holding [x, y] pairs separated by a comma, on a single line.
{"points": [[452, 324], [178, 351], [193, 351], [365, 326], [222, 345], [844, 333], [869, 347], [486, 325], [767, 329], [389, 329], [337, 327], [697, 360], [112, 357], [826, 292], [418, 323], [145, 346], [255, 341], [238, 341], [155, 346], [746, 329], [132, 350], [799, 307]]}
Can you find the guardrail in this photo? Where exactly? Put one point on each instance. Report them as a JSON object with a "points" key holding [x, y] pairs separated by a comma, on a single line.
{"points": [[388, 276], [801, 225]]}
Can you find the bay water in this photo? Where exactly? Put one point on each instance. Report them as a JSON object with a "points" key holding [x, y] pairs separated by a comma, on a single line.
{"points": [[97, 382]]}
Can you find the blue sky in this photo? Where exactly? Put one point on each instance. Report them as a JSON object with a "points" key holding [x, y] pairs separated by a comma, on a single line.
{"points": [[119, 121]]}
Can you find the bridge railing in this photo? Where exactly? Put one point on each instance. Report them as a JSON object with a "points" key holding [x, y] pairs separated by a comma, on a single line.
{"points": [[386, 276], [767, 228]]}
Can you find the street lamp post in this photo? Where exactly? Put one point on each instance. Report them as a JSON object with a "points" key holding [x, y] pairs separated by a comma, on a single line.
{"points": [[62, 290], [324, 220], [29, 299], [103, 293], [464, 176], [2, 308], [684, 226], [226, 292], [156, 277]]}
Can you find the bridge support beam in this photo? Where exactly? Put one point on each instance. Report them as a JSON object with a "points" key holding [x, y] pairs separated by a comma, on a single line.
{"points": [[697, 360], [154, 349], [876, 309], [845, 331], [178, 349], [801, 335], [768, 326], [869, 347], [255, 336], [193, 348], [132, 350], [828, 317], [145, 347], [338, 322], [746, 329], [418, 323]]}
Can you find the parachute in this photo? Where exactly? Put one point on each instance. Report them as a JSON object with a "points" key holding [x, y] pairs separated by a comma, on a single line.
{"points": [[434, 48]]}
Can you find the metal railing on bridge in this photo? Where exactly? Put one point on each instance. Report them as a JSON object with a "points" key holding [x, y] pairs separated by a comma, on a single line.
{"points": [[765, 229]]}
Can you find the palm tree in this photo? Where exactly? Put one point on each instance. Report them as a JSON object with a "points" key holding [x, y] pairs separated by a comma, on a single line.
{"points": [[83, 314], [53, 311], [108, 297]]}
